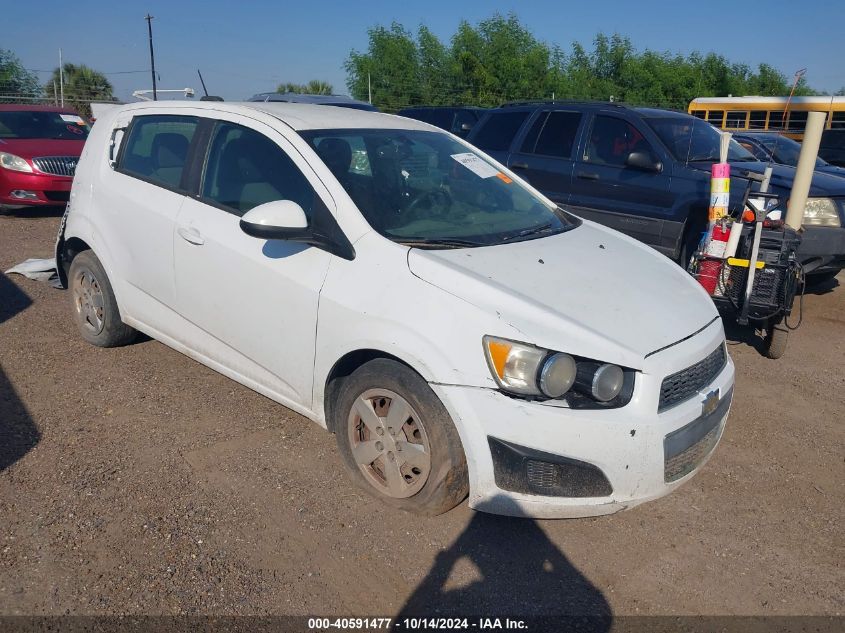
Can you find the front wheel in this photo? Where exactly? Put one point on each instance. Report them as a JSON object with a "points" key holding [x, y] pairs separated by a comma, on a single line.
{"points": [[398, 441]]}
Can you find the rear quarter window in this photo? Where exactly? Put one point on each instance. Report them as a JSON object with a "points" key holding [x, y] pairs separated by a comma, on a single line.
{"points": [[497, 131]]}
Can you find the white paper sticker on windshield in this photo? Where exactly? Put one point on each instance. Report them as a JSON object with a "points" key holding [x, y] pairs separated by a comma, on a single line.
{"points": [[72, 118], [476, 165]]}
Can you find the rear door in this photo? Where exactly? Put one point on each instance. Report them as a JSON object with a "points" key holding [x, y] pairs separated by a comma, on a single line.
{"points": [[137, 205], [251, 304], [546, 154], [607, 190]]}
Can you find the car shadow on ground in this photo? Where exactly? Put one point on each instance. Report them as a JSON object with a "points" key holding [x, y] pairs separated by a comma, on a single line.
{"points": [[18, 433], [522, 573], [55, 211]]}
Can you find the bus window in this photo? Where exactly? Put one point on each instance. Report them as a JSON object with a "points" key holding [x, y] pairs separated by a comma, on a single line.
{"points": [[715, 117], [699, 114], [837, 120], [735, 120], [776, 120], [797, 121], [757, 120]]}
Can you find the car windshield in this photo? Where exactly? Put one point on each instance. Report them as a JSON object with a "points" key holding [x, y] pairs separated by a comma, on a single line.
{"points": [[425, 188], [690, 139], [785, 151], [38, 124]]}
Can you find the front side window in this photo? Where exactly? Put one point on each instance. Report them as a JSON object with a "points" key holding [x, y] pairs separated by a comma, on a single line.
{"points": [[498, 129], [425, 188], [156, 149], [245, 168], [40, 124], [612, 140]]}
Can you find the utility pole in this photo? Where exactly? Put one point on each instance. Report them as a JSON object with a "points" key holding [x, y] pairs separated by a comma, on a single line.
{"points": [[149, 20], [369, 89], [61, 78]]}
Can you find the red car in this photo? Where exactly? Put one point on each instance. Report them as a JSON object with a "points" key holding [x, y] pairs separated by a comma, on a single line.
{"points": [[39, 149]]}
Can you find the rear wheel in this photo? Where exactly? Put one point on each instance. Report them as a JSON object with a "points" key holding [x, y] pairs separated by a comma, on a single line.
{"points": [[397, 440], [94, 306]]}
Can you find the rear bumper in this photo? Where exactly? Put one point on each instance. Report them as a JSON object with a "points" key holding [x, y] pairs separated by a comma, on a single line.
{"points": [[822, 249], [18, 189]]}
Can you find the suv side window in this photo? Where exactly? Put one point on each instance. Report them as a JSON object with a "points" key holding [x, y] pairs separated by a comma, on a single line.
{"points": [[497, 131], [245, 168], [557, 137], [157, 148], [612, 140]]}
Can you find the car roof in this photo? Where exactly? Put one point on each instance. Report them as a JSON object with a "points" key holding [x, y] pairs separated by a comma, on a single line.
{"points": [[28, 107], [299, 116]]}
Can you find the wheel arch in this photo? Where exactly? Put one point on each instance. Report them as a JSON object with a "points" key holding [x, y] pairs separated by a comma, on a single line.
{"points": [[67, 251], [344, 367]]}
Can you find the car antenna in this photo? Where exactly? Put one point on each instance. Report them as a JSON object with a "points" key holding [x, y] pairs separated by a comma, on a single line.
{"points": [[206, 97]]}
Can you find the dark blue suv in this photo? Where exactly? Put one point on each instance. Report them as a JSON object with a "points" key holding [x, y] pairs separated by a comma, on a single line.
{"points": [[646, 172]]}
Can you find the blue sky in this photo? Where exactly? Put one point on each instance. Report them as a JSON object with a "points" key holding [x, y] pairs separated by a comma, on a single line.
{"points": [[247, 47]]}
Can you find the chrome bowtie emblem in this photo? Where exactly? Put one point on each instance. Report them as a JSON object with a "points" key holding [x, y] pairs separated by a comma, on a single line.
{"points": [[710, 402]]}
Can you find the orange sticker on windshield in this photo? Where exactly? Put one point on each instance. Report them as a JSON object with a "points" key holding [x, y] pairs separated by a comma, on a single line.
{"points": [[504, 178]]}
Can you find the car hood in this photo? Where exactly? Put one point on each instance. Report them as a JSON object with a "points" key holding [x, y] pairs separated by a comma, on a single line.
{"points": [[34, 147], [783, 176], [589, 291]]}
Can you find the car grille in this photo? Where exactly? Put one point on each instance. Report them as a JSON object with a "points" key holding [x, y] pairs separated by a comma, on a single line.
{"points": [[684, 384], [685, 449], [56, 165]]}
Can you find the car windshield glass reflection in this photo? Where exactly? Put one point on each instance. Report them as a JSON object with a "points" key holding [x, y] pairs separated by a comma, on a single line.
{"points": [[424, 188], [690, 139], [42, 125]]}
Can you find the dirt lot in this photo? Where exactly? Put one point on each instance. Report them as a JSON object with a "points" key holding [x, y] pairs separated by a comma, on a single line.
{"points": [[135, 480]]}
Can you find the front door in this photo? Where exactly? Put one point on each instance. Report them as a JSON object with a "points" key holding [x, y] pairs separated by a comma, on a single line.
{"points": [[609, 191], [251, 303]]}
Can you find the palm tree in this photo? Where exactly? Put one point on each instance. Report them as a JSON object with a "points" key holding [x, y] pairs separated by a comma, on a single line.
{"points": [[82, 85], [313, 87]]}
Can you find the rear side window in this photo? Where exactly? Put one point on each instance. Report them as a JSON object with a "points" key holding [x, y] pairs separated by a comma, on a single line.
{"points": [[157, 148], [496, 132], [245, 169], [558, 134]]}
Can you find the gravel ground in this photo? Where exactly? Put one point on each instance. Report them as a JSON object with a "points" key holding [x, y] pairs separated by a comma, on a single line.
{"points": [[135, 480]]}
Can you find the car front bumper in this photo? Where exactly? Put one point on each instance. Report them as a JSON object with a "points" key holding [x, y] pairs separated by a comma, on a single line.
{"points": [[822, 249], [590, 462], [19, 189]]}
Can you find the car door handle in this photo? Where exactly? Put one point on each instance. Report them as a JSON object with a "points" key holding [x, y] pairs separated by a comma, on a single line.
{"points": [[519, 165], [587, 175], [190, 234]]}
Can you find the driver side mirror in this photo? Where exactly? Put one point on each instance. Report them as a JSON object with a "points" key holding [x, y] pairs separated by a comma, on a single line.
{"points": [[286, 220], [277, 220], [643, 161]]}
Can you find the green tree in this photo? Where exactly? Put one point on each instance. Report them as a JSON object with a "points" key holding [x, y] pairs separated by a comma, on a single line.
{"points": [[16, 82], [313, 87], [82, 85]]}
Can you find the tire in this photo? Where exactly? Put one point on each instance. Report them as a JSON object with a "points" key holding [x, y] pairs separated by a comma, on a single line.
{"points": [[774, 345], [418, 466], [93, 304]]}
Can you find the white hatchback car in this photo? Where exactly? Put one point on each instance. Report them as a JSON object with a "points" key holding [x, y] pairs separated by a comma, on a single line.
{"points": [[458, 332]]}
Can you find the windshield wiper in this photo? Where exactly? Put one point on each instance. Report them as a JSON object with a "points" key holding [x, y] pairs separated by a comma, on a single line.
{"points": [[534, 230], [447, 242]]}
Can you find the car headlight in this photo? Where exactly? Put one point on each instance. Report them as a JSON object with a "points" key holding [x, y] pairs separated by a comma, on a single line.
{"points": [[527, 370], [14, 163], [821, 212]]}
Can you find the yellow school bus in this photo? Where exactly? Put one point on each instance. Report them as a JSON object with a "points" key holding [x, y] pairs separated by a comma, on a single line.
{"points": [[768, 113]]}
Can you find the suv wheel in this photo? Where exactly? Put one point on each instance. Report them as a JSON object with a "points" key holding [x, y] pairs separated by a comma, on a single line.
{"points": [[94, 306], [397, 440]]}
